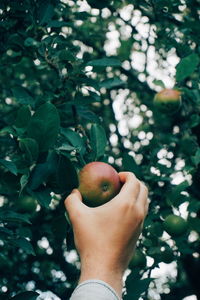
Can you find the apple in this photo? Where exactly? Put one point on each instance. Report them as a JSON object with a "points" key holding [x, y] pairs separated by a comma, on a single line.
{"points": [[99, 182], [175, 225], [138, 260], [26, 204], [167, 256], [168, 100]]}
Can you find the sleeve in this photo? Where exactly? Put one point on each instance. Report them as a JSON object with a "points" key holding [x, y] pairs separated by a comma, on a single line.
{"points": [[94, 289]]}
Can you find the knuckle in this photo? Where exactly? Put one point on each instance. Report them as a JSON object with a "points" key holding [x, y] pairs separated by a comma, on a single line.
{"points": [[145, 189], [140, 215], [127, 205]]}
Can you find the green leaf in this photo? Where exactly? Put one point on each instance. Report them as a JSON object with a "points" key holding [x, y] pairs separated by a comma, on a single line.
{"points": [[24, 244], [186, 66], [30, 148], [57, 24], [43, 196], [64, 176], [66, 55], [98, 140], [9, 165], [74, 139], [46, 12], [39, 175], [112, 83], [129, 164], [11, 216], [44, 126], [23, 181], [66, 147], [30, 42], [196, 158], [194, 224], [104, 62], [22, 95], [25, 296], [23, 117], [87, 114], [136, 286], [159, 83], [194, 120]]}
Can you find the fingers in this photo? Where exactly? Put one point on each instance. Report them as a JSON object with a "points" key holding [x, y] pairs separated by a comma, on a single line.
{"points": [[73, 204], [131, 186], [142, 200], [134, 192]]}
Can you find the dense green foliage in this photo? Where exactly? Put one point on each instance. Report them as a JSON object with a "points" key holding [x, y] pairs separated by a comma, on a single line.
{"points": [[76, 85]]}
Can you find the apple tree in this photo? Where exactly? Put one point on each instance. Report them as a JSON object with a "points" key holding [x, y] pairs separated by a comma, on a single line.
{"points": [[78, 83]]}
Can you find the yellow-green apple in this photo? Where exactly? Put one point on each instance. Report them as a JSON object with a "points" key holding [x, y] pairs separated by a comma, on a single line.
{"points": [[26, 204], [168, 100], [99, 182], [175, 225], [138, 260]]}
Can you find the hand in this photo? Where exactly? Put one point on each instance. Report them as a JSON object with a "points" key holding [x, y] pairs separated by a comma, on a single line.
{"points": [[106, 236]]}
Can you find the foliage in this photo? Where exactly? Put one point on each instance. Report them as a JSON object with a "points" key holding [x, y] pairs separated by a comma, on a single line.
{"points": [[77, 85]]}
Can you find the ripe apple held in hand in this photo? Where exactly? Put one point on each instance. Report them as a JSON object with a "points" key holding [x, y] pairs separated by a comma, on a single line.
{"points": [[98, 183], [168, 100]]}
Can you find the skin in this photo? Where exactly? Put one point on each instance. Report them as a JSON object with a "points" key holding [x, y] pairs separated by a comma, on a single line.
{"points": [[106, 236]]}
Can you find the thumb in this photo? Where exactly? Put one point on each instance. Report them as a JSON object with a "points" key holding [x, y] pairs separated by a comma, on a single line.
{"points": [[74, 205]]}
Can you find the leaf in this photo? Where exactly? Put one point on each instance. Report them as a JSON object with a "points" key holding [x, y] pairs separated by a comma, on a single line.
{"points": [[112, 83], [194, 224], [104, 62], [186, 66], [57, 24], [159, 83], [39, 175], [136, 286], [30, 148], [23, 117], [196, 158], [66, 55], [98, 140], [30, 42], [66, 147], [9, 165], [46, 12], [194, 120], [24, 244], [9, 215], [25, 296], [64, 176], [22, 95], [43, 196], [44, 126], [87, 114], [23, 181], [129, 164], [74, 139]]}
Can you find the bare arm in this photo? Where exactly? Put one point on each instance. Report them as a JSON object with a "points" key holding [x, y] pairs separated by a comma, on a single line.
{"points": [[106, 236]]}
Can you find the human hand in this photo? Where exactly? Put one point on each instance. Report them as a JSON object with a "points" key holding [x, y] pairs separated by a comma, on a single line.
{"points": [[106, 236]]}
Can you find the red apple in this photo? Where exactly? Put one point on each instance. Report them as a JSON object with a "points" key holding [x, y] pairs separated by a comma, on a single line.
{"points": [[168, 100], [98, 183]]}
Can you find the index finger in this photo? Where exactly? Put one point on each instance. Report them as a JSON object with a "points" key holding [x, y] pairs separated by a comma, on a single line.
{"points": [[130, 187]]}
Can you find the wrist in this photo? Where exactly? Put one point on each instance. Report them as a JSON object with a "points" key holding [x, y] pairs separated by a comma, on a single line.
{"points": [[111, 276]]}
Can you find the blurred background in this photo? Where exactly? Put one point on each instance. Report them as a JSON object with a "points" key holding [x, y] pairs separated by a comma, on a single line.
{"points": [[78, 83]]}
